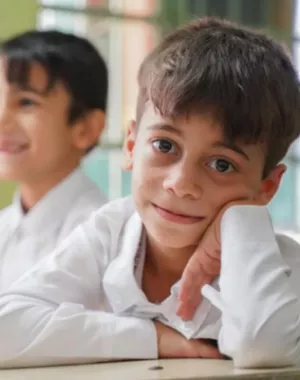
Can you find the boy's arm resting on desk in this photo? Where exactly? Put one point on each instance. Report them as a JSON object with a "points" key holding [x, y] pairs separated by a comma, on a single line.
{"points": [[47, 317], [258, 298]]}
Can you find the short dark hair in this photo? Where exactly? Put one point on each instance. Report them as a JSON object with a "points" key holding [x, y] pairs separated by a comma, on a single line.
{"points": [[65, 57], [244, 78]]}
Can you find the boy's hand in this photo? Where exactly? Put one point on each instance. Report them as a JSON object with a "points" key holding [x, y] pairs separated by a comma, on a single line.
{"points": [[204, 266], [171, 344]]}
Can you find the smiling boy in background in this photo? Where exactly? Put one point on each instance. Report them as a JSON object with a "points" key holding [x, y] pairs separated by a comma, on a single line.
{"points": [[52, 111]]}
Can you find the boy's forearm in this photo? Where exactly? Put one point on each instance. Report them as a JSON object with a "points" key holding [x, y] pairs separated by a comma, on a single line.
{"points": [[49, 316], [33, 333], [260, 316]]}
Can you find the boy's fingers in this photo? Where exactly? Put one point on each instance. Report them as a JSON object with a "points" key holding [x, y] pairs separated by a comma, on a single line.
{"points": [[211, 265], [192, 278], [200, 270], [187, 310], [188, 305]]}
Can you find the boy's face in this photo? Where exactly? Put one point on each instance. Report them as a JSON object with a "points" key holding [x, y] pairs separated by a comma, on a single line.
{"points": [[36, 142], [184, 173]]}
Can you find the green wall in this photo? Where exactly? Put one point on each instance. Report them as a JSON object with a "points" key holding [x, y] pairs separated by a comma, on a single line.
{"points": [[16, 16], [6, 193]]}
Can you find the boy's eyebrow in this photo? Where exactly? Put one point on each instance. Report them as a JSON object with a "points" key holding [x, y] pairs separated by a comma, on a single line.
{"points": [[231, 146], [27, 88], [30, 89], [165, 127]]}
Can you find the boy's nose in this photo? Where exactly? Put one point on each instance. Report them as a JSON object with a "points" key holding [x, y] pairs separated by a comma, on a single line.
{"points": [[182, 181]]}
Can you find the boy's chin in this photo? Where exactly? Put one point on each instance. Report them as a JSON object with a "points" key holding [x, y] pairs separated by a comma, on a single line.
{"points": [[176, 239]]}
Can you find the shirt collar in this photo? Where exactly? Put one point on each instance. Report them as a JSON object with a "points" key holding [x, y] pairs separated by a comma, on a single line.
{"points": [[52, 208], [119, 279]]}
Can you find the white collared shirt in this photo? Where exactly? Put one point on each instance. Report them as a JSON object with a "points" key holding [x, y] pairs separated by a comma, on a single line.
{"points": [[27, 238], [85, 304]]}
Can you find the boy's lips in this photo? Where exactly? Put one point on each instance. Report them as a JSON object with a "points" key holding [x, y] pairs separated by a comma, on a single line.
{"points": [[12, 147], [176, 216]]}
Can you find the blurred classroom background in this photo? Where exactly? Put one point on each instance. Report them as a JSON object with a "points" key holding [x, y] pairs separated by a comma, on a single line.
{"points": [[125, 31]]}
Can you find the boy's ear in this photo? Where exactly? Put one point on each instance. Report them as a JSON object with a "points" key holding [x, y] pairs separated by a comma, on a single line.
{"points": [[128, 146], [87, 131], [270, 185]]}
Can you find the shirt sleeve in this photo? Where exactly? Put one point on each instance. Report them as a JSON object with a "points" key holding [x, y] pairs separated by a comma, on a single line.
{"points": [[259, 292], [51, 315]]}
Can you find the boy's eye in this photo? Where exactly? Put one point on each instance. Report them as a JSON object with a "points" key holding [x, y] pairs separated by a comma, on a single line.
{"points": [[222, 166], [27, 102], [164, 146]]}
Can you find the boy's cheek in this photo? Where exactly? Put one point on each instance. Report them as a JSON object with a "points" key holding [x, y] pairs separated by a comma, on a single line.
{"points": [[222, 202], [247, 193]]}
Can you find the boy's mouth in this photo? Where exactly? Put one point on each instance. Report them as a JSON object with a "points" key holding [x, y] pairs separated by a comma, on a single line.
{"points": [[177, 217], [12, 147]]}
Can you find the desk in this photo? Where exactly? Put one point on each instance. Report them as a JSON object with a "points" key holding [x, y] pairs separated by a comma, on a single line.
{"points": [[177, 369]]}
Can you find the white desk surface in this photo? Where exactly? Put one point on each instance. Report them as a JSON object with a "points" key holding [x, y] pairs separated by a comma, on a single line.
{"points": [[176, 369]]}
